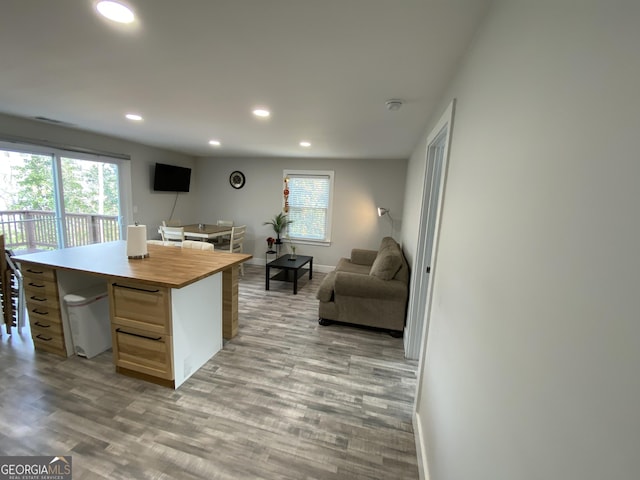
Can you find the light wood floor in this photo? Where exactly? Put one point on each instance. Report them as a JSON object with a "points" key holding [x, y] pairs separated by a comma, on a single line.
{"points": [[285, 399]]}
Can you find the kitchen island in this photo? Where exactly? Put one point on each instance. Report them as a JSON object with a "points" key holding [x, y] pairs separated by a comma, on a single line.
{"points": [[168, 312]]}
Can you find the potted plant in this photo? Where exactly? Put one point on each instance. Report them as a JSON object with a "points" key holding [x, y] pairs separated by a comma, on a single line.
{"points": [[270, 242], [279, 224]]}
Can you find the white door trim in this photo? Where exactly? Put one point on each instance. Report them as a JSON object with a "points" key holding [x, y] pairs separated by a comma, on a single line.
{"points": [[417, 307], [443, 127]]}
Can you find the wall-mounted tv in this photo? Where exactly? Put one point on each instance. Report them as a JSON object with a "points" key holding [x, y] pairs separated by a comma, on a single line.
{"points": [[171, 178]]}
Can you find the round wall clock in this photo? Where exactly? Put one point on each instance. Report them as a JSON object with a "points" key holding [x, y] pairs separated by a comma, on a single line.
{"points": [[236, 179]]}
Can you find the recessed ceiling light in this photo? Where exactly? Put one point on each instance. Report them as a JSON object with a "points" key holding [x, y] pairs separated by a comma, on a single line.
{"points": [[115, 11], [261, 112], [305, 144], [134, 117], [215, 143]]}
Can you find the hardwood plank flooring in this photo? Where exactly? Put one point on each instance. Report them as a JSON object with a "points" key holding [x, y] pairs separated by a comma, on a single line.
{"points": [[285, 399]]}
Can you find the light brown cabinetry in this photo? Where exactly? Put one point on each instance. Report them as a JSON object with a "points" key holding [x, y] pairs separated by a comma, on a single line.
{"points": [[141, 329], [230, 302], [43, 307], [167, 311]]}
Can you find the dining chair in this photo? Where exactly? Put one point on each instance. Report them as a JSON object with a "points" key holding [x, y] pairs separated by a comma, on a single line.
{"points": [[236, 242], [171, 223], [223, 239], [163, 243], [196, 245], [172, 233]]}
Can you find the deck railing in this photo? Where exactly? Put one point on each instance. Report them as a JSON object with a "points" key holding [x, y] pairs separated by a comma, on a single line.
{"points": [[37, 229]]}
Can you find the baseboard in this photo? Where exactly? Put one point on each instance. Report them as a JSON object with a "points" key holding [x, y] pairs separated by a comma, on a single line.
{"points": [[421, 447], [316, 268]]}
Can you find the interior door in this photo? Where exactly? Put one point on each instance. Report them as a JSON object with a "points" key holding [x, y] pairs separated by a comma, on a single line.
{"points": [[417, 316]]}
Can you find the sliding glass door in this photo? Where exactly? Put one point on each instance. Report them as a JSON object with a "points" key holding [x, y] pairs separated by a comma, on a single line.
{"points": [[57, 200], [27, 201], [91, 202]]}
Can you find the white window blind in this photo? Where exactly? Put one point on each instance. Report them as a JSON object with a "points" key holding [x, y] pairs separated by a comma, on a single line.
{"points": [[310, 195]]}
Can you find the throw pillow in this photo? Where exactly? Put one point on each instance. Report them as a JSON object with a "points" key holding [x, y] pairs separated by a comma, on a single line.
{"points": [[386, 265]]}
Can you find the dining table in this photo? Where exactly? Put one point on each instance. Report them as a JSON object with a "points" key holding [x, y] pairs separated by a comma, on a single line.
{"points": [[202, 231]]}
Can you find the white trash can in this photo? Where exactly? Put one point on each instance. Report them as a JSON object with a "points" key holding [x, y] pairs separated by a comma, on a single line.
{"points": [[88, 312]]}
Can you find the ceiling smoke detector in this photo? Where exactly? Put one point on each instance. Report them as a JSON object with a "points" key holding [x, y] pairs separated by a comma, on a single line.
{"points": [[393, 105]]}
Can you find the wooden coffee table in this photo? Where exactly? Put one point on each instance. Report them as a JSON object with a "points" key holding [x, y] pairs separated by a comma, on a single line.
{"points": [[290, 270]]}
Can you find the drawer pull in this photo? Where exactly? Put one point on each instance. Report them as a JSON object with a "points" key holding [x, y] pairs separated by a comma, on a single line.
{"points": [[38, 272], [38, 299], [41, 325], [31, 284], [46, 339], [35, 310], [138, 335], [136, 288]]}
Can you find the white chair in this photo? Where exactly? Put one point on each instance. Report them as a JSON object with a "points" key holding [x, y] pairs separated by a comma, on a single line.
{"points": [[224, 239], [197, 245], [235, 244], [171, 223], [172, 233], [163, 243]]}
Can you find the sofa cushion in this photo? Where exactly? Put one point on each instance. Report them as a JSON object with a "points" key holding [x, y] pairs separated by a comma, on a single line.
{"points": [[346, 265], [361, 256], [388, 242], [350, 285], [387, 263]]}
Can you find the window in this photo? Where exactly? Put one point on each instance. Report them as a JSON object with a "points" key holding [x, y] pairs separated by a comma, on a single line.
{"points": [[53, 199], [310, 195]]}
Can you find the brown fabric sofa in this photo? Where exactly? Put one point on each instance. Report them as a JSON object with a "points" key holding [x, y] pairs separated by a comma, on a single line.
{"points": [[370, 288]]}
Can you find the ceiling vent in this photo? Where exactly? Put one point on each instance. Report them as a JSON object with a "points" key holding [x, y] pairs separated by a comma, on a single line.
{"points": [[53, 121]]}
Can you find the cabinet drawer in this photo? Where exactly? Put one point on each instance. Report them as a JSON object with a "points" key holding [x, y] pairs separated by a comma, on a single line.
{"points": [[47, 332], [44, 315], [39, 286], [142, 306], [50, 339], [143, 351], [37, 272], [35, 300]]}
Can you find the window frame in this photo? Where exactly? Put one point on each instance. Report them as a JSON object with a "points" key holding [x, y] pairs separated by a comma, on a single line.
{"points": [[329, 219]]}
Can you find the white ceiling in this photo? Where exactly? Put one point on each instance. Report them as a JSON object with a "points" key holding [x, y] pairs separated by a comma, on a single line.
{"points": [[195, 69]]}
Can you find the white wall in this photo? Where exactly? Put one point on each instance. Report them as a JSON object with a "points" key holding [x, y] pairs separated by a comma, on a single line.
{"points": [[152, 207], [360, 186], [534, 342]]}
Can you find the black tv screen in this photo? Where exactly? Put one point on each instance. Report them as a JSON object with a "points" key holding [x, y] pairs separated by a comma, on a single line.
{"points": [[171, 178]]}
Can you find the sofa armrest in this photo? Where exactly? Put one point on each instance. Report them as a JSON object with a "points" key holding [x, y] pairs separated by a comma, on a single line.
{"points": [[325, 291], [367, 286], [361, 256]]}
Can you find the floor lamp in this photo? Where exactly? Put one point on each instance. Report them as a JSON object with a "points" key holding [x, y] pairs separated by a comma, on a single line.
{"points": [[385, 211]]}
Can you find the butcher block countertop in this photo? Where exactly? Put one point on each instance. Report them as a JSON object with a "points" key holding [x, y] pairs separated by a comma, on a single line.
{"points": [[166, 266]]}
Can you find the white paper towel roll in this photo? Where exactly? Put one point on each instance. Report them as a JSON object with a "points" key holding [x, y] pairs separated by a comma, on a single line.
{"points": [[137, 241]]}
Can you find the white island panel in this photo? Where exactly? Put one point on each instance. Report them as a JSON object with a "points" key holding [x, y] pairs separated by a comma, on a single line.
{"points": [[197, 325]]}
